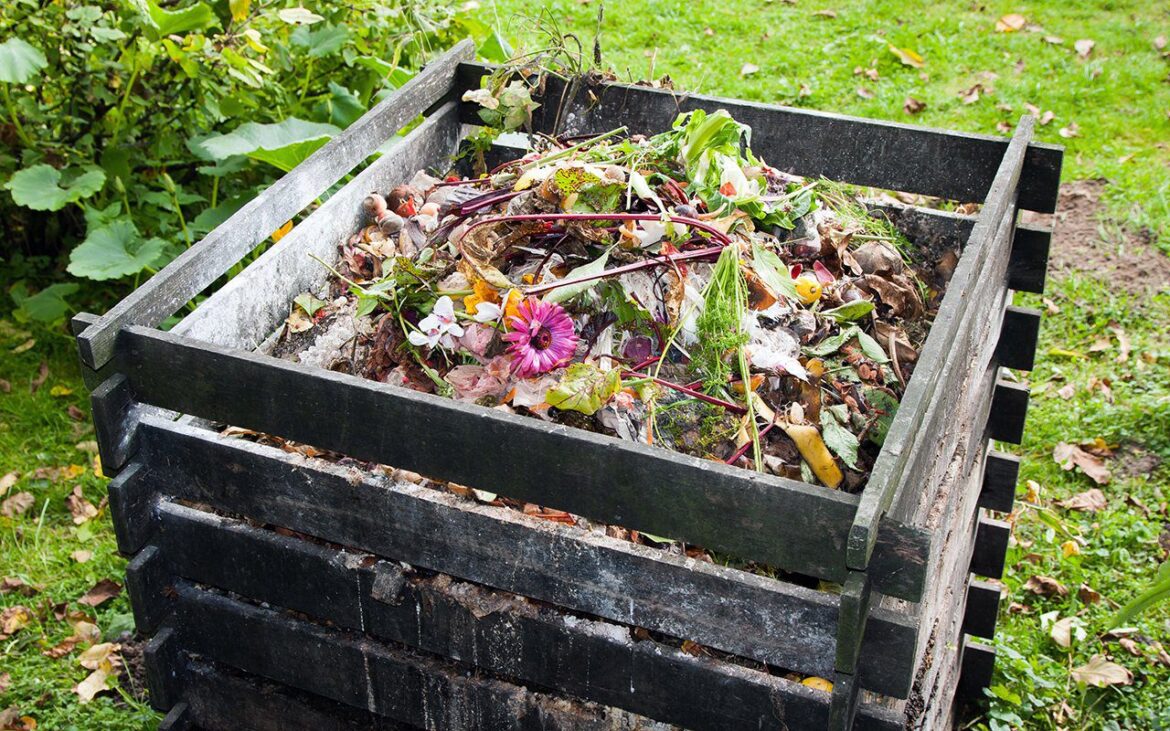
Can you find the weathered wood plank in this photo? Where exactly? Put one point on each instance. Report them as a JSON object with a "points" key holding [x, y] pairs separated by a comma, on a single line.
{"points": [[1000, 474], [147, 583], [132, 509], [746, 514], [982, 609], [193, 270], [1009, 412], [114, 414], [164, 668], [1029, 267], [498, 632], [977, 669], [991, 543], [893, 473], [740, 613], [383, 679], [888, 155], [1018, 337], [252, 305]]}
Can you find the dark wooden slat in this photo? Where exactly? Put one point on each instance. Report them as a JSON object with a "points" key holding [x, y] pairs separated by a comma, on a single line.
{"points": [[164, 668], [1018, 337], [982, 611], [147, 584], [500, 633], [1009, 411], [1029, 263], [180, 718], [894, 471], [132, 508], [1000, 475], [202, 264], [991, 543], [977, 670], [870, 152], [855, 598], [740, 613], [843, 708], [114, 415], [92, 378], [246, 310], [383, 679], [746, 514]]}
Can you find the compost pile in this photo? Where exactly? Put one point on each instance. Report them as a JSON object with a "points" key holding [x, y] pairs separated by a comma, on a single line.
{"points": [[672, 290]]}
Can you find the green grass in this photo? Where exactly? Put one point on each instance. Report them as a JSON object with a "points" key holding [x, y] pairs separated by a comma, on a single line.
{"points": [[1119, 99]]}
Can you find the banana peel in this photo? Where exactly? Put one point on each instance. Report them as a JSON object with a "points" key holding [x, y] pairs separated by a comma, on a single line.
{"points": [[813, 450]]}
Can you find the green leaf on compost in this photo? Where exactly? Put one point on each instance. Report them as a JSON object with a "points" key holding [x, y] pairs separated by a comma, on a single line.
{"points": [[114, 251], [282, 144], [19, 61], [838, 439], [887, 405], [850, 312], [833, 343], [584, 388], [593, 268], [310, 304], [41, 187], [871, 348], [48, 305], [773, 271]]}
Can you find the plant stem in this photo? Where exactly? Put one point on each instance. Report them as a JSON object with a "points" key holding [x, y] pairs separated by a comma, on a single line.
{"points": [[733, 408], [15, 119], [182, 219], [308, 77]]}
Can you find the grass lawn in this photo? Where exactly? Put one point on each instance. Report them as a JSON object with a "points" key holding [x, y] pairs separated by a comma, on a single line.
{"points": [[1118, 98]]}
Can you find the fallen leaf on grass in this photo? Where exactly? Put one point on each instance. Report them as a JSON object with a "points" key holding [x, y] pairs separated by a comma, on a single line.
{"points": [[1160, 43], [864, 93], [42, 376], [60, 391], [908, 56], [913, 106], [5, 682], [11, 584], [748, 69], [5, 385], [1100, 672], [75, 413], [7, 481], [971, 95], [1122, 343], [826, 14], [1070, 548], [27, 345], [1070, 455], [80, 508], [13, 619], [1067, 391], [1067, 630], [1084, 47], [85, 633], [17, 504], [81, 556], [1045, 586], [102, 592], [11, 720], [1072, 130], [1010, 23], [1088, 595], [1089, 501]]}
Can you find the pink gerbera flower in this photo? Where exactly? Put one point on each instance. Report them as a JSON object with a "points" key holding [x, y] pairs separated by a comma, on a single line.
{"points": [[541, 336]]}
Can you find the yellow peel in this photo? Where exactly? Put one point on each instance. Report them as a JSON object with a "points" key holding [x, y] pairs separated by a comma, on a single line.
{"points": [[808, 290], [818, 684], [813, 450]]}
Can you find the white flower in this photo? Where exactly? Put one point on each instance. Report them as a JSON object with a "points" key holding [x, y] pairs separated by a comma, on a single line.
{"points": [[487, 312], [439, 327]]}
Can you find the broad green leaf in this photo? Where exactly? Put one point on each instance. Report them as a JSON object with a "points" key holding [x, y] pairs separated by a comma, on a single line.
{"points": [[114, 251], [19, 61], [344, 106], [888, 406], [872, 349], [283, 144], [40, 187], [773, 271], [1158, 592], [322, 41], [838, 439], [176, 22], [299, 16], [496, 49], [592, 269], [48, 305], [850, 312], [310, 304], [584, 388], [833, 343]]}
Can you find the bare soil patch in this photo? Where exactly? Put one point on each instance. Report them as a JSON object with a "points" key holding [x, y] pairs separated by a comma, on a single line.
{"points": [[1083, 243]]}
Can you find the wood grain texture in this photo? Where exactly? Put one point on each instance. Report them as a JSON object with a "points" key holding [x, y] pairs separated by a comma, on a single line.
{"points": [[253, 304], [499, 632], [199, 266], [746, 514], [895, 471], [869, 152]]}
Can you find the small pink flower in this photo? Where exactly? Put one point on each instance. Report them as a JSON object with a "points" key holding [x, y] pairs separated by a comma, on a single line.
{"points": [[541, 337]]}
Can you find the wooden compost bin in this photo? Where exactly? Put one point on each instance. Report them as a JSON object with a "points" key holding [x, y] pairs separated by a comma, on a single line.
{"points": [[293, 593]]}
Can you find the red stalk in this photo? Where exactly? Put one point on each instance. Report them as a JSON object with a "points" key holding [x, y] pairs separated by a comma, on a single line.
{"points": [[626, 268], [684, 220], [743, 450], [733, 408]]}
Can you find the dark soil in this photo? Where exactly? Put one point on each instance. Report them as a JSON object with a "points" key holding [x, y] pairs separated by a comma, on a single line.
{"points": [[1083, 244]]}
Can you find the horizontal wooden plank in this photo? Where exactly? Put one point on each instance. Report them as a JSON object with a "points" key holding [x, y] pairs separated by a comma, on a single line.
{"points": [[870, 152], [1000, 475], [982, 612], [199, 266], [246, 310], [991, 544], [779, 522], [1018, 337], [1009, 412], [383, 679], [498, 632], [740, 613]]}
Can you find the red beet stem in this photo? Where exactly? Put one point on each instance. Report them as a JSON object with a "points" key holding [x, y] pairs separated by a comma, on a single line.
{"points": [[743, 450], [733, 408], [684, 220], [626, 268]]}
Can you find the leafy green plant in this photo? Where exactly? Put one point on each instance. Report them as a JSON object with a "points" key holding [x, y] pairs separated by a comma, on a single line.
{"points": [[131, 127]]}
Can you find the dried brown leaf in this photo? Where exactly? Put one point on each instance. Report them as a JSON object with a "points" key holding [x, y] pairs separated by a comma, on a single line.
{"points": [[1045, 586], [102, 592], [17, 504], [913, 106], [1100, 672], [1072, 130], [13, 619], [1088, 595], [7, 481], [1084, 47], [1010, 23], [1089, 501], [42, 376], [1070, 455], [81, 509]]}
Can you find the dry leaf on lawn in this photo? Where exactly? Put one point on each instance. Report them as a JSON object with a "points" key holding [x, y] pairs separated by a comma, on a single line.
{"points": [[1072, 130], [102, 592], [94, 683], [1011, 23], [1089, 501], [748, 69], [1122, 343], [1070, 455], [1045, 586], [1067, 630], [13, 619], [80, 508], [1088, 595], [7, 481], [826, 14], [17, 504], [81, 556], [913, 106], [1100, 672], [5, 682], [1067, 391], [1084, 47]]}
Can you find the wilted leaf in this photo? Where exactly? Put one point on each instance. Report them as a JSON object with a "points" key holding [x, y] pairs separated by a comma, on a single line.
{"points": [[310, 304], [1160, 43], [94, 683], [1067, 630], [1011, 23], [972, 94], [81, 556], [102, 592], [1045, 586], [1070, 455], [1089, 501], [17, 504], [1087, 595], [748, 69], [1070, 548], [80, 508], [13, 619], [7, 481], [1072, 130], [19, 61], [299, 16], [1084, 47], [40, 187], [1122, 343], [591, 269], [865, 93], [907, 56], [826, 14], [1100, 672], [913, 106], [281, 232], [584, 388], [298, 321], [1067, 391]]}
